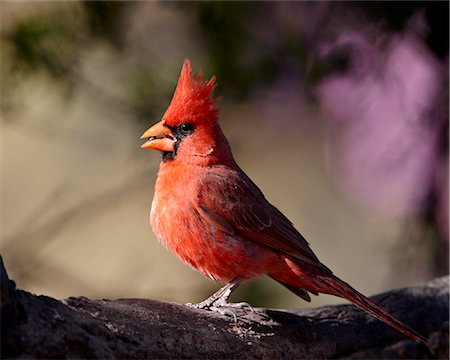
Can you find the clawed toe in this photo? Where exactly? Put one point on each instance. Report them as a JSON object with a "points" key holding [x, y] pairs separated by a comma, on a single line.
{"points": [[222, 307], [240, 305], [204, 305], [191, 305], [224, 312]]}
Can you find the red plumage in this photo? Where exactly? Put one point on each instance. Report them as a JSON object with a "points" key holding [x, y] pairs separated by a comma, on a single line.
{"points": [[211, 214]]}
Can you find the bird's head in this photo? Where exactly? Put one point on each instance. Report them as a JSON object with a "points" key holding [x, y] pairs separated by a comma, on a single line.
{"points": [[189, 126]]}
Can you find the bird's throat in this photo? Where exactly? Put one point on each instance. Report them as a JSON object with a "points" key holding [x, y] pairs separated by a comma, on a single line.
{"points": [[168, 156]]}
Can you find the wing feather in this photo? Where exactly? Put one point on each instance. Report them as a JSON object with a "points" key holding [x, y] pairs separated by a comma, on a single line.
{"points": [[229, 200]]}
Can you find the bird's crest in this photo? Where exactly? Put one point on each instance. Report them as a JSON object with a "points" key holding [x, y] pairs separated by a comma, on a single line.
{"points": [[193, 99]]}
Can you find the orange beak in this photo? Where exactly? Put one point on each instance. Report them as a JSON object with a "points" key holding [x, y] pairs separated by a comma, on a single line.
{"points": [[159, 137]]}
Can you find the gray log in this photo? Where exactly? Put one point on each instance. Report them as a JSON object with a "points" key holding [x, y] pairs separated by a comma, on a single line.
{"points": [[42, 327]]}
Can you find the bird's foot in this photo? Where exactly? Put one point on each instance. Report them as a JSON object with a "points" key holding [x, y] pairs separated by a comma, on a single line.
{"points": [[218, 302], [240, 305], [221, 306], [206, 304]]}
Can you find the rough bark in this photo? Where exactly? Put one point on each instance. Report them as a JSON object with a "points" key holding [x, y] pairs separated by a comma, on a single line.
{"points": [[42, 327]]}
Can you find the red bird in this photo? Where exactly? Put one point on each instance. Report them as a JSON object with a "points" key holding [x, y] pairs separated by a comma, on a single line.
{"points": [[211, 214]]}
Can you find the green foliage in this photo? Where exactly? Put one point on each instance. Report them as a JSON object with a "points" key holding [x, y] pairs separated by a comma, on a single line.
{"points": [[226, 27], [54, 41], [144, 93], [39, 44], [104, 19]]}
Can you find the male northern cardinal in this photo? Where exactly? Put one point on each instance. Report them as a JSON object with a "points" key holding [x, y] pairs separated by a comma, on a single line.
{"points": [[209, 212]]}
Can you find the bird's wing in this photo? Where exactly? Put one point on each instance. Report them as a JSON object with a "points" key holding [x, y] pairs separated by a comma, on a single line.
{"points": [[229, 200]]}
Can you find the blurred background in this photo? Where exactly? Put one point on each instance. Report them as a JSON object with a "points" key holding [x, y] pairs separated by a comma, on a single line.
{"points": [[337, 110]]}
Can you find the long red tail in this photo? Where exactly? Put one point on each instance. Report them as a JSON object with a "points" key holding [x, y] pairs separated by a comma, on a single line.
{"points": [[344, 290]]}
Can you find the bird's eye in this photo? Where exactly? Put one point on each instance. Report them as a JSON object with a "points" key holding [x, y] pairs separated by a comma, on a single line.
{"points": [[186, 127]]}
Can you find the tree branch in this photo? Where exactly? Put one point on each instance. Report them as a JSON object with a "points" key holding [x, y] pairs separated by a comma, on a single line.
{"points": [[42, 327]]}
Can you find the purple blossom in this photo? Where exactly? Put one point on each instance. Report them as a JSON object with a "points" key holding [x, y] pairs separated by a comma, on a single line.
{"points": [[385, 131]]}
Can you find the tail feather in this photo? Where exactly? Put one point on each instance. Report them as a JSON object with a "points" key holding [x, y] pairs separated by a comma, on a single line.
{"points": [[342, 289], [298, 291]]}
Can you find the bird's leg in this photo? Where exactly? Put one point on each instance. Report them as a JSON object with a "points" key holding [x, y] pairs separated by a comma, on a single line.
{"points": [[221, 296], [219, 300]]}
